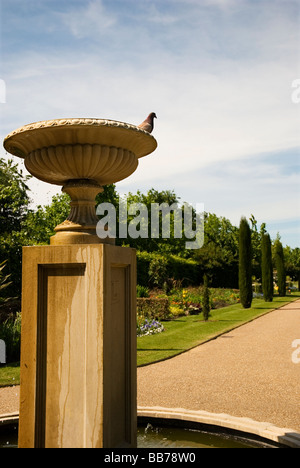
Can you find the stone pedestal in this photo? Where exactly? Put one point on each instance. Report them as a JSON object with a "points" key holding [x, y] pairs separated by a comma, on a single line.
{"points": [[78, 351]]}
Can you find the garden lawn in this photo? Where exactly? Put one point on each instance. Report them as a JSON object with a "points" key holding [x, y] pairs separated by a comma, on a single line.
{"points": [[10, 374], [185, 333]]}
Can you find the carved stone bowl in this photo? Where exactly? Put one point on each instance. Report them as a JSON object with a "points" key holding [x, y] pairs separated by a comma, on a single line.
{"points": [[56, 151], [82, 155]]}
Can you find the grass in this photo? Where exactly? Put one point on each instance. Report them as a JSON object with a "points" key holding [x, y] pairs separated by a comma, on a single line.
{"points": [[10, 374], [185, 333]]}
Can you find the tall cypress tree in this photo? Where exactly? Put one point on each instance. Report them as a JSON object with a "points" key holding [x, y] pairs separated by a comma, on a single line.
{"points": [[280, 267], [266, 268], [245, 264], [205, 302]]}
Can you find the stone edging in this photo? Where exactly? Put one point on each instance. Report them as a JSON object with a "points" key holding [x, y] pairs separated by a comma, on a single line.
{"points": [[10, 418], [284, 436]]}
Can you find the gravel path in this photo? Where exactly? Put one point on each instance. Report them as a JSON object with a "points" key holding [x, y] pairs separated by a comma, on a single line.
{"points": [[9, 400], [248, 372]]}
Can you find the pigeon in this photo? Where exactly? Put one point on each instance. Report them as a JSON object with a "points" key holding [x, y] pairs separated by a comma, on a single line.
{"points": [[148, 124]]}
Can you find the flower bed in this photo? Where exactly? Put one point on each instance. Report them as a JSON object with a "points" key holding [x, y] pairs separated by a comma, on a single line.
{"points": [[182, 301], [188, 301], [145, 327], [218, 297]]}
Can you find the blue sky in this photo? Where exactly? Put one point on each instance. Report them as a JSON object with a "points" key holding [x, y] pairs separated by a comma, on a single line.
{"points": [[218, 73]]}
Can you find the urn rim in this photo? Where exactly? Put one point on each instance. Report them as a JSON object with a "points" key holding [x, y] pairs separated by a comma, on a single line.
{"points": [[45, 133]]}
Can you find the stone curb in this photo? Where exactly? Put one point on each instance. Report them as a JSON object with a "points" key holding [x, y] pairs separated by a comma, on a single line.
{"points": [[9, 418], [284, 436]]}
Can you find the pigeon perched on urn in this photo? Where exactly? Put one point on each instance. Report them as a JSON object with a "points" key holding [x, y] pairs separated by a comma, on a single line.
{"points": [[148, 123]]}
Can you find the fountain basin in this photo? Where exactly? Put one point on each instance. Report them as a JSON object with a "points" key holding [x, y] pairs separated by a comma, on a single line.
{"points": [[166, 434]]}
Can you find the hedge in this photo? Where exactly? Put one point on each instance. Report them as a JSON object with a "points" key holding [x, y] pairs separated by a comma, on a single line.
{"points": [[153, 308]]}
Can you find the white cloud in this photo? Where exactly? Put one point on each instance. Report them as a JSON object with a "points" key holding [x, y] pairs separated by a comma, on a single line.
{"points": [[201, 117], [90, 20]]}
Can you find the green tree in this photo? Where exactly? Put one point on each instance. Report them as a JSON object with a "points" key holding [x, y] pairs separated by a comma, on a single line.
{"points": [[39, 225], [220, 232], [14, 199], [219, 254], [245, 264], [14, 207], [109, 195], [280, 267], [154, 241], [292, 263], [267, 268], [4, 283], [256, 241]]}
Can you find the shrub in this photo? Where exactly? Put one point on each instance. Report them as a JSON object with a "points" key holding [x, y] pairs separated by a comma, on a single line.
{"points": [[142, 291], [158, 271], [205, 302], [9, 309], [153, 308]]}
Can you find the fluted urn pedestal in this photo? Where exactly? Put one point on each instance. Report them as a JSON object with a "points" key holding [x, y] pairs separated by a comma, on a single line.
{"points": [[82, 155], [78, 349]]}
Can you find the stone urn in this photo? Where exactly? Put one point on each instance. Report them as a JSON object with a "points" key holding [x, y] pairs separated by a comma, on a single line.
{"points": [[82, 155]]}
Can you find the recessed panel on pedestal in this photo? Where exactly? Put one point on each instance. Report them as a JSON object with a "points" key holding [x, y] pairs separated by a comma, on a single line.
{"points": [[61, 376], [118, 361]]}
